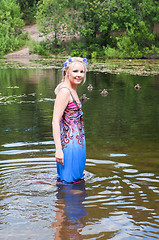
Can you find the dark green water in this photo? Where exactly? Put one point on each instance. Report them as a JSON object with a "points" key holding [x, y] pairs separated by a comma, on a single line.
{"points": [[119, 199]]}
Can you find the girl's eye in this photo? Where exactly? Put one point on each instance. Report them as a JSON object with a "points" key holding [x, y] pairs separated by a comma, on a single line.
{"points": [[75, 71]]}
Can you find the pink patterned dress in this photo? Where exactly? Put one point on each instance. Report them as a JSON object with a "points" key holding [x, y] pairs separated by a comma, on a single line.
{"points": [[73, 143]]}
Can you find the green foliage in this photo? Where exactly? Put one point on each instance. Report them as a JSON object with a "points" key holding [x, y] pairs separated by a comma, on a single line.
{"points": [[149, 10], [28, 8], [94, 54], [99, 18], [136, 42], [94, 22], [97, 24], [39, 48], [110, 52], [11, 37], [53, 19], [122, 12]]}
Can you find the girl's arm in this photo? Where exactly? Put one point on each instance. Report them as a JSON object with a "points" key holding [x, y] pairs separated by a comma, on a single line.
{"points": [[61, 102]]}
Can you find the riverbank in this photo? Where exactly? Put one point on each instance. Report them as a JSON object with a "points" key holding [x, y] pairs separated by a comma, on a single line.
{"points": [[114, 66], [24, 59]]}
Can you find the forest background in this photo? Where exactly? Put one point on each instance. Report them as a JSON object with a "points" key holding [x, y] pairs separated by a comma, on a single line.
{"points": [[107, 28]]}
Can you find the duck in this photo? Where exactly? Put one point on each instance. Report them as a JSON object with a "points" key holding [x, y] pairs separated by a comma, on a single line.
{"points": [[104, 92], [90, 87], [102, 66], [84, 98], [137, 86]]}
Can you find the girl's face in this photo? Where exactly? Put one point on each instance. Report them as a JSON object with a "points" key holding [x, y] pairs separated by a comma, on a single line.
{"points": [[76, 73]]}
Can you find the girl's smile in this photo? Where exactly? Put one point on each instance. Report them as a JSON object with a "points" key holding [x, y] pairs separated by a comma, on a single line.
{"points": [[76, 74]]}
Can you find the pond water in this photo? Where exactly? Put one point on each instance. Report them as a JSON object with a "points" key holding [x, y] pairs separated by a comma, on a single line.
{"points": [[119, 198]]}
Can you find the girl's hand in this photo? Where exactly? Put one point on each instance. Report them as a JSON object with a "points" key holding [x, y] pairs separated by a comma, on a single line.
{"points": [[59, 156]]}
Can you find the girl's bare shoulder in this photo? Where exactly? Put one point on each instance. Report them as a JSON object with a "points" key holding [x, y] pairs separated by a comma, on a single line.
{"points": [[63, 93]]}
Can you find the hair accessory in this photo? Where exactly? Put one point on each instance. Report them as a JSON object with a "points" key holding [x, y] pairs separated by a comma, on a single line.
{"points": [[70, 60], [85, 61], [65, 64]]}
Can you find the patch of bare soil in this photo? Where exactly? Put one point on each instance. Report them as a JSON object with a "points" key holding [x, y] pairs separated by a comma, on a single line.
{"points": [[24, 52]]}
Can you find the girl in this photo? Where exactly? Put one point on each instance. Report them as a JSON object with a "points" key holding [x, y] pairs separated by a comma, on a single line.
{"points": [[68, 128]]}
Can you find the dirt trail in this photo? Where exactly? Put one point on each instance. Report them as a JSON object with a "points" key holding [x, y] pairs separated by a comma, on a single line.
{"points": [[24, 52]]}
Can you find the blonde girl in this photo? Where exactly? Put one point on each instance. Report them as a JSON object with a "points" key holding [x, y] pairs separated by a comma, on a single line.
{"points": [[68, 127]]}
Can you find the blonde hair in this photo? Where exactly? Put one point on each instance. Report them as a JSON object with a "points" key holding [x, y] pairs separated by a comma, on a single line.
{"points": [[67, 65]]}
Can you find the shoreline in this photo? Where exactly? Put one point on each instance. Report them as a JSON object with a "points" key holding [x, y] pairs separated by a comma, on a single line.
{"points": [[140, 67], [23, 58]]}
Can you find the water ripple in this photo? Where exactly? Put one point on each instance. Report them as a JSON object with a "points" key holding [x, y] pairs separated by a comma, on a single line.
{"points": [[119, 206]]}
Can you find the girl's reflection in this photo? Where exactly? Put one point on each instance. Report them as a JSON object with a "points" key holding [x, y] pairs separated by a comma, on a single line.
{"points": [[71, 211]]}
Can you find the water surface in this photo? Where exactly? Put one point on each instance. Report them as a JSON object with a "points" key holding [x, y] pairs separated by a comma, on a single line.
{"points": [[119, 198]]}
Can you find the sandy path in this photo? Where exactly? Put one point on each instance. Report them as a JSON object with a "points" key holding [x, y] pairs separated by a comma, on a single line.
{"points": [[24, 52]]}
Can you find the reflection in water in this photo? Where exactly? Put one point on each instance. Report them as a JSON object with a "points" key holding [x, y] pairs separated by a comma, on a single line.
{"points": [[120, 202], [122, 181], [71, 211], [127, 205]]}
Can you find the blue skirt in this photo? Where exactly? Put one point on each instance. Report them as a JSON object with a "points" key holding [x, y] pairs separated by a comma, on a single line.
{"points": [[74, 162]]}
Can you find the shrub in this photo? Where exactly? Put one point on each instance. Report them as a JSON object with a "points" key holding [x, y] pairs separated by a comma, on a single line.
{"points": [[39, 48], [136, 42], [11, 37], [28, 8], [110, 52]]}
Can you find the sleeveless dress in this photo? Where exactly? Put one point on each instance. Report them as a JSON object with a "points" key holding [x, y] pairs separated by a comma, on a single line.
{"points": [[73, 143]]}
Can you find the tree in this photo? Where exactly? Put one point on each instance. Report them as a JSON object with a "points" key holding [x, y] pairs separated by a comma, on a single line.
{"points": [[94, 20], [149, 11], [11, 36], [28, 8], [53, 19], [125, 12], [137, 41]]}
